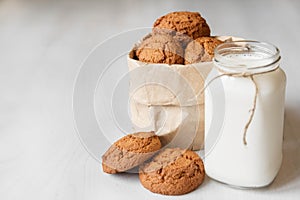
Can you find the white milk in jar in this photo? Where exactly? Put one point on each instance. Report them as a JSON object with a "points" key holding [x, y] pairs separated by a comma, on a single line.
{"points": [[248, 149]]}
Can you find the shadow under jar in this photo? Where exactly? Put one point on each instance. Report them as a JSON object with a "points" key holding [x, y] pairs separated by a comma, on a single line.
{"points": [[248, 149]]}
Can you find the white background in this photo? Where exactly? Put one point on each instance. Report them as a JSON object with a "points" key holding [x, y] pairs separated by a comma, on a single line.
{"points": [[42, 44]]}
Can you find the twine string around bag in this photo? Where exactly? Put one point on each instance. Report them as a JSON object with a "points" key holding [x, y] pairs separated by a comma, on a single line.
{"points": [[242, 75]]}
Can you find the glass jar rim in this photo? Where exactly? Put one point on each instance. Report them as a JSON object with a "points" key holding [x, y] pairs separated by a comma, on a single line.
{"points": [[246, 56]]}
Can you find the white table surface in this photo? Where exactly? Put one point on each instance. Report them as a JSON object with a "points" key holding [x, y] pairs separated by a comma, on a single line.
{"points": [[42, 44]]}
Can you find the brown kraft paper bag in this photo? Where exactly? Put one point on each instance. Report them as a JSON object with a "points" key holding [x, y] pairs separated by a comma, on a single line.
{"points": [[168, 100]]}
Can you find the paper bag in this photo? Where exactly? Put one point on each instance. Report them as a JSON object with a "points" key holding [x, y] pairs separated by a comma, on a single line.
{"points": [[169, 100]]}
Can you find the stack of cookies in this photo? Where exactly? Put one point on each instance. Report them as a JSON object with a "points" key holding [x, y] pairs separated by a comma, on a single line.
{"points": [[179, 40]]}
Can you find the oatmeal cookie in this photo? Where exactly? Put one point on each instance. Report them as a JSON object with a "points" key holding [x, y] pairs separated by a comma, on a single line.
{"points": [[173, 172], [130, 151]]}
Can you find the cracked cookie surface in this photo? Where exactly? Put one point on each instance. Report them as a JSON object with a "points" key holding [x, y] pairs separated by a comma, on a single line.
{"points": [[160, 48], [201, 50], [173, 172], [130, 151], [184, 26]]}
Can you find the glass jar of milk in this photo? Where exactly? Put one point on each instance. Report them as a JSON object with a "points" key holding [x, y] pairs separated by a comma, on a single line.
{"points": [[248, 149]]}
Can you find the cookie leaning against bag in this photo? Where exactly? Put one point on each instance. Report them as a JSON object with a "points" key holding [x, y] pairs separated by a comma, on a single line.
{"points": [[130, 151]]}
